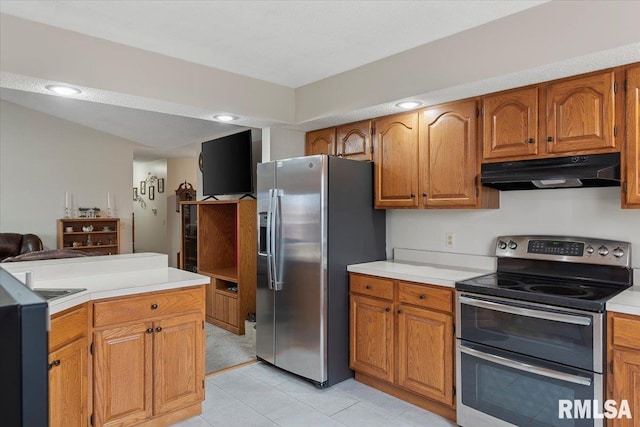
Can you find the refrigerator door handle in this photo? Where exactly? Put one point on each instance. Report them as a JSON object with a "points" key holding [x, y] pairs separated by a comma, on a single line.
{"points": [[277, 284], [270, 240]]}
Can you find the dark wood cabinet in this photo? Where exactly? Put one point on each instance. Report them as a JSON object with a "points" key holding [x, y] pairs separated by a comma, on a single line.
{"points": [[189, 241]]}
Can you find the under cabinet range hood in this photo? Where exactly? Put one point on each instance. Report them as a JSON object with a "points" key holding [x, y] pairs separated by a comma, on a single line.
{"points": [[599, 170]]}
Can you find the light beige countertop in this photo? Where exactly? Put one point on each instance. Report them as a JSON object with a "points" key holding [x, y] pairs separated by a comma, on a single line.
{"points": [[434, 268], [104, 277]]}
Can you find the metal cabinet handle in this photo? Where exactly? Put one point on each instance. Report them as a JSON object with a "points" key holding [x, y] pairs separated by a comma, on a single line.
{"points": [[545, 372], [368, 287], [399, 311], [49, 366], [158, 329], [150, 330], [413, 196], [56, 362], [549, 139], [422, 296], [387, 309], [531, 140], [424, 194], [529, 312], [154, 306]]}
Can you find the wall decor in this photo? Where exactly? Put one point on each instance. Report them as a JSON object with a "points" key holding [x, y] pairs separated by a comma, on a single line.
{"points": [[160, 185], [152, 192], [143, 187], [135, 193]]}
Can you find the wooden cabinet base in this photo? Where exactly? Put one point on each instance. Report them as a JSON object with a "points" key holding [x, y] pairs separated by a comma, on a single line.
{"points": [[225, 326], [429, 405], [173, 417]]}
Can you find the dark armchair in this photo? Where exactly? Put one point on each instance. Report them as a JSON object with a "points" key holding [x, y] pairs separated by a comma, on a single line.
{"points": [[13, 244]]}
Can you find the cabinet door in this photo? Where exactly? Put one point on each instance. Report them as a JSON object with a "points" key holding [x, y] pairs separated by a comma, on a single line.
{"points": [[396, 161], [321, 141], [581, 115], [371, 337], [632, 154], [123, 383], [354, 141], [68, 385], [425, 353], [178, 359], [448, 162], [510, 123], [626, 385]]}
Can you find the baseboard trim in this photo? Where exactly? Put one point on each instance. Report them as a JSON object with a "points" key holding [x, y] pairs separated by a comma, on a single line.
{"points": [[174, 417]]}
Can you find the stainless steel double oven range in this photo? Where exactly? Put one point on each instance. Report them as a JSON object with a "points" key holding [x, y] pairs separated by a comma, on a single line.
{"points": [[530, 337]]}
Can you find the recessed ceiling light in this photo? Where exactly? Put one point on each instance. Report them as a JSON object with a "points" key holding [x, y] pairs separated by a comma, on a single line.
{"points": [[407, 105], [63, 90], [225, 117]]}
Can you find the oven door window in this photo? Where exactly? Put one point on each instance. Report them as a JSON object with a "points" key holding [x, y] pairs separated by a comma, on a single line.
{"points": [[553, 335], [523, 397]]}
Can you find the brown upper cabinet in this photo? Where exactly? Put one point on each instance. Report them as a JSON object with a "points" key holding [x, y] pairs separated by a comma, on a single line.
{"points": [[581, 114], [321, 141], [448, 163], [566, 117], [396, 161], [511, 124], [631, 185], [353, 140]]}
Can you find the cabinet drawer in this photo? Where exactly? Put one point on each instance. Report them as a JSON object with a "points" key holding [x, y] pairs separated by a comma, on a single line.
{"points": [[373, 286], [68, 326], [146, 306], [626, 331], [425, 296]]}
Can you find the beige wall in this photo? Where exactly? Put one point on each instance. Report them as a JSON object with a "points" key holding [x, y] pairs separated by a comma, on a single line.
{"points": [[179, 170], [42, 157]]}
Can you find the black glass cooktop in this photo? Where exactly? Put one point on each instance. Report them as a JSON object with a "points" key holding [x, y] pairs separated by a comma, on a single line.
{"points": [[569, 293]]}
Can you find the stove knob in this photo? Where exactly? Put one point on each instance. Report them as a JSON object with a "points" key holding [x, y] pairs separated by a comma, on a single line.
{"points": [[589, 249], [603, 250], [512, 244], [502, 244], [618, 252]]}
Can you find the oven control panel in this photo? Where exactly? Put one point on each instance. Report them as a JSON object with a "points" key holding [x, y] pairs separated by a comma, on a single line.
{"points": [[567, 249]]}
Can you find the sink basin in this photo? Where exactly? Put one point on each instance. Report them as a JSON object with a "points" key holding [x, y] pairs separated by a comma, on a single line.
{"points": [[51, 294]]}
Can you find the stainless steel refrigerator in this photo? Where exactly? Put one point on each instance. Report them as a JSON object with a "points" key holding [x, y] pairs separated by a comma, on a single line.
{"points": [[315, 216]]}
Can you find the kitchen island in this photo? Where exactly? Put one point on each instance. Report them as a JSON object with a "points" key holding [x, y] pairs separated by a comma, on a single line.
{"points": [[127, 349]]}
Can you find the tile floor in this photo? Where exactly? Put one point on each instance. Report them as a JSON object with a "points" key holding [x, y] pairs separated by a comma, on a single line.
{"points": [[260, 395]]}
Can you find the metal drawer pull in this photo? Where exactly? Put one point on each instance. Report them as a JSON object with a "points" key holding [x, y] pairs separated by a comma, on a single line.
{"points": [[154, 306], [549, 373], [546, 315], [158, 329], [150, 330], [422, 296], [368, 287]]}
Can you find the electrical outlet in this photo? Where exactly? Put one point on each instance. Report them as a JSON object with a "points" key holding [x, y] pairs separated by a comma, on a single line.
{"points": [[450, 240]]}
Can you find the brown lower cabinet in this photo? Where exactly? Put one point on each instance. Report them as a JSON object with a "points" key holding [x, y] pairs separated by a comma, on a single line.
{"points": [[401, 340], [148, 361], [68, 368], [624, 366]]}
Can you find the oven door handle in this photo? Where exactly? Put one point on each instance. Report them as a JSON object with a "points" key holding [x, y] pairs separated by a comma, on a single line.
{"points": [[549, 373], [546, 315]]}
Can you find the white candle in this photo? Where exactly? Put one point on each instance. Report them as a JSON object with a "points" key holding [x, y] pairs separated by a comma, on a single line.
{"points": [[108, 200], [66, 199]]}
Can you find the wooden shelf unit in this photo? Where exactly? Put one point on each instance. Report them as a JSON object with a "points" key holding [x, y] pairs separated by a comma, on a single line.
{"points": [[189, 240], [98, 241], [227, 246]]}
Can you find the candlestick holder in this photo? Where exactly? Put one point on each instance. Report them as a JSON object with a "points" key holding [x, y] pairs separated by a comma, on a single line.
{"points": [[109, 213], [67, 212]]}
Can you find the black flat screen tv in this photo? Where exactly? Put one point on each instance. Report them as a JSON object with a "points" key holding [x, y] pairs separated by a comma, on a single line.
{"points": [[227, 166]]}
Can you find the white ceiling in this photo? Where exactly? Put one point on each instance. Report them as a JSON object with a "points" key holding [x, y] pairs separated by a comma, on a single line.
{"points": [[300, 47], [290, 43]]}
